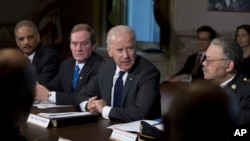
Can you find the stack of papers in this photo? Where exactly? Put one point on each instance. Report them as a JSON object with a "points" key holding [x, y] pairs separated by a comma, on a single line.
{"points": [[63, 115], [47, 104], [135, 126]]}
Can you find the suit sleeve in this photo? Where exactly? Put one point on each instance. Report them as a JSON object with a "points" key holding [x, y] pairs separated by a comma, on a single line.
{"points": [[89, 90]]}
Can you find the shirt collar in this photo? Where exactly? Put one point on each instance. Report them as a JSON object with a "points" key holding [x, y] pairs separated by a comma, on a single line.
{"points": [[226, 82], [81, 65], [31, 56]]}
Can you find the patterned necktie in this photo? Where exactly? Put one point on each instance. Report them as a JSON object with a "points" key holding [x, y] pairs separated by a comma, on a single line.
{"points": [[75, 77], [118, 90]]}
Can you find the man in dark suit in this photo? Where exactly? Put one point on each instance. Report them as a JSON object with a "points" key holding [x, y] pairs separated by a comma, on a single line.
{"points": [[192, 68], [140, 97], [44, 59], [61, 89], [222, 66]]}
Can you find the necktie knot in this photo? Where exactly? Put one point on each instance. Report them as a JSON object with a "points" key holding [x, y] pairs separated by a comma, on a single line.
{"points": [[77, 68], [121, 73]]}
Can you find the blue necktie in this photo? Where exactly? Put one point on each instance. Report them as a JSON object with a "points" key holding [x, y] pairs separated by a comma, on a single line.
{"points": [[75, 77], [118, 90]]}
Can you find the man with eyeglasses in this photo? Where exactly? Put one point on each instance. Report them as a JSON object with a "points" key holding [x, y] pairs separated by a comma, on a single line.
{"points": [[44, 59], [222, 66], [192, 68]]}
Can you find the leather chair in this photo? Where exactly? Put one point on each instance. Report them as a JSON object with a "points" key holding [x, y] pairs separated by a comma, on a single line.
{"points": [[167, 91]]}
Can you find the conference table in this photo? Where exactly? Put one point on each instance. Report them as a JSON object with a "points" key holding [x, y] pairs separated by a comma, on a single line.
{"points": [[96, 131]]}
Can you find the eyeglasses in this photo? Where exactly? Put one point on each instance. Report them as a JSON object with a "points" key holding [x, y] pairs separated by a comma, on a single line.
{"points": [[209, 62]]}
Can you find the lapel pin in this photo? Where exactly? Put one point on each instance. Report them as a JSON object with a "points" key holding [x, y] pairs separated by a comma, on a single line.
{"points": [[233, 86]]}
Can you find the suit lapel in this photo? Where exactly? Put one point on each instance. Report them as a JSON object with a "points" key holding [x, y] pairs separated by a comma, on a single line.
{"points": [[109, 82], [130, 78], [84, 71], [37, 55], [70, 74], [82, 76], [127, 86]]}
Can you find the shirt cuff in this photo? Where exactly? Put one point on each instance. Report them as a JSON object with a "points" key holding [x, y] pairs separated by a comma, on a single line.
{"points": [[83, 106], [52, 98], [106, 111]]}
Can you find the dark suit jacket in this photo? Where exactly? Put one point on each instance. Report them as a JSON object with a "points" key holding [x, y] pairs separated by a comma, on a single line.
{"points": [[46, 63], [246, 66], [62, 83], [189, 65], [140, 97], [240, 87]]}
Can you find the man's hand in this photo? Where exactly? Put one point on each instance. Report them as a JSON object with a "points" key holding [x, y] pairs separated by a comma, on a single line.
{"points": [[100, 104], [41, 92], [91, 107]]}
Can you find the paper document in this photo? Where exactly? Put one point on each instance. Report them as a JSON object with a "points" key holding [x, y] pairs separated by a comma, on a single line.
{"points": [[135, 126], [47, 104], [63, 114]]}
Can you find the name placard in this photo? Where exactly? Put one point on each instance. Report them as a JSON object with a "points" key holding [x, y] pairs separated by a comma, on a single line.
{"points": [[122, 135], [38, 120]]}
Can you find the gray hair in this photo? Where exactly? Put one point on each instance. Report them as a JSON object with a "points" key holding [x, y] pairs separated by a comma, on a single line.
{"points": [[231, 50], [120, 29], [26, 23]]}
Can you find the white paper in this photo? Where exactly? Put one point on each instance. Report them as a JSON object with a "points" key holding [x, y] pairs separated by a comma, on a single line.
{"points": [[121, 135], [135, 126], [47, 104], [63, 114]]}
